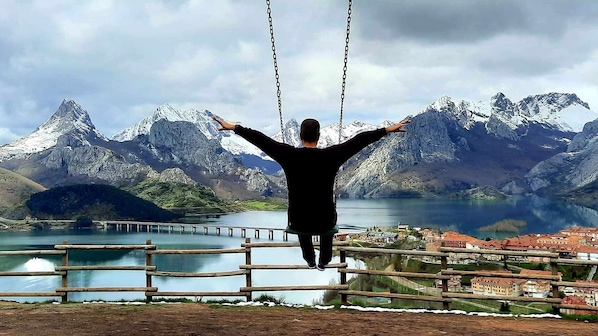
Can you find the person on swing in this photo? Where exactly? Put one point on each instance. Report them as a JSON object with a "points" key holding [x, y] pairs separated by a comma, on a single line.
{"points": [[310, 174]]}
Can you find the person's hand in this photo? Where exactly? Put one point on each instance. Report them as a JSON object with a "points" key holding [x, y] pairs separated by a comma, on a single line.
{"points": [[397, 127], [224, 126]]}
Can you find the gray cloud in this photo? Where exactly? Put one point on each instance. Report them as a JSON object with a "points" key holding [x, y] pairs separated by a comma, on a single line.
{"points": [[466, 21], [121, 59]]}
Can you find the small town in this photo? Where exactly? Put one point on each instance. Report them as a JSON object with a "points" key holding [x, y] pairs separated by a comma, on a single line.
{"points": [[572, 243]]}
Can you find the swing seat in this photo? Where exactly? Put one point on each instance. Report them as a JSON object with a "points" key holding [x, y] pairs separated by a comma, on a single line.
{"points": [[301, 233]]}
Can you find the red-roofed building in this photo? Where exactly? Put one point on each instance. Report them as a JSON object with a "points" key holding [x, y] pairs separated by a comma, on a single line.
{"points": [[536, 287], [590, 233], [497, 286], [587, 253], [575, 301]]}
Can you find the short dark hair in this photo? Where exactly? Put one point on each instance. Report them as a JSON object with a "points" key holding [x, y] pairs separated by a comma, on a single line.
{"points": [[310, 130]]}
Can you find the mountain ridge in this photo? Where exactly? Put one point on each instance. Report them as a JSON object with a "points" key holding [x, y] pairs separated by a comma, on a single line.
{"points": [[450, 146]]}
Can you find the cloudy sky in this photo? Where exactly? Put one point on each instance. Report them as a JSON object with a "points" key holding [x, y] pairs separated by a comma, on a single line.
{"points": [[120, 60]]}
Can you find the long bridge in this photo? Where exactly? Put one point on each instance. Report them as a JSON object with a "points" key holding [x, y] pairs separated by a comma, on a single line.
{"points": [[205, 229]]}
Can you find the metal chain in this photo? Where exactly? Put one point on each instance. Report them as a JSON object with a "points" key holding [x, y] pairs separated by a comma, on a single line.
{"points": [[278, 92], [340, 123]]}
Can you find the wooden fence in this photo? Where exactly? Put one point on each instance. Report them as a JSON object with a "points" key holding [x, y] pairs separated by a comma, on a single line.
{"points": [[443, 296]]}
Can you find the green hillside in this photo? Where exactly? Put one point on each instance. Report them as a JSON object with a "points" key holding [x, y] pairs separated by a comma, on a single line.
{"points": [[176, 195], [15, 189], [94, 201]]}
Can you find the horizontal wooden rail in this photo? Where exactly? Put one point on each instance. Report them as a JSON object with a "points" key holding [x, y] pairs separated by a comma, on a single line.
{"points": [[501, 252], [38, 273], [31, 252], [106, 268], [562, 261], [292, 288], [290, 244], [576, 284], [105, 247], [106, 289], [206, 251], [502, 275], [397, 296], [499, 298], [285, 244], [31, 294], [393, 273], [392, 251], [198, 275], [153, 294], [287, 267], [577, 307]]}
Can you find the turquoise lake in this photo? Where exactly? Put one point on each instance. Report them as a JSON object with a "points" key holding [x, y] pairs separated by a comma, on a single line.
{"points": [[466, 216]]}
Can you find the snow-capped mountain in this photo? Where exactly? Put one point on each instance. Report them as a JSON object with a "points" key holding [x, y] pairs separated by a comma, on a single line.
{"points": [[202, 119], [69, 119], [559, 111], [68, 149], [452, 146]]}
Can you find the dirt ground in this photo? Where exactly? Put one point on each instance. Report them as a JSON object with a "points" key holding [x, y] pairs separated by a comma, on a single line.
{"points": [[203, 319]]}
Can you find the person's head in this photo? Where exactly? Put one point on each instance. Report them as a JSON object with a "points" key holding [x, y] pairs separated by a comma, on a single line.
{"points": [[310, 130]]}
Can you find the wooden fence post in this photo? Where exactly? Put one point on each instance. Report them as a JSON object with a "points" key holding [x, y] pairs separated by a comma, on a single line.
{"points": [[148, 263], [65, 280], [343, 276], [555, 271], [444, 267], [248, 295]]}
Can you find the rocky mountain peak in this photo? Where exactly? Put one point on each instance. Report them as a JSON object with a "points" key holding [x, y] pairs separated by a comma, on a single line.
{"points": [[70, 124], [500, 104], [553, 102], [69, 116], [200, 118]]}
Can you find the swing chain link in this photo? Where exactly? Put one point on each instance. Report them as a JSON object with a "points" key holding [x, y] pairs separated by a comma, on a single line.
{"points": [[278, 92], [340, 126], [340, 123]]}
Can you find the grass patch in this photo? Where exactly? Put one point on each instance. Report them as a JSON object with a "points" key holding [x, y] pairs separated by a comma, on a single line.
{"points": [[579, 317], [268, 204]]}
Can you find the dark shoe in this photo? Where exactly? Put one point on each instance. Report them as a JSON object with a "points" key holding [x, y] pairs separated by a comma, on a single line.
{"points": [[311, 265], [321, 267]]}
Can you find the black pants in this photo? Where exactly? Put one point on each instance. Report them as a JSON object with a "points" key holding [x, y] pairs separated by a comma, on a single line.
{"points": [[307, 247]]}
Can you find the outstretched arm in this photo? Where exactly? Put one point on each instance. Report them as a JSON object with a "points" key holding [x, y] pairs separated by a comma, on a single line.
{"points": [[271, 147], [361, 140]]}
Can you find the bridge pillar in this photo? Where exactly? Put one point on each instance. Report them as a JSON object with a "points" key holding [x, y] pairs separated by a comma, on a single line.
{"points": [[230, 232], [193, 230], [271, 234], [257, 233], [205, 230], [159, 228], [243, 233], [148, 227], [218, 231], [285, 236], [128, 227], [170, 228], [182, 229]]}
